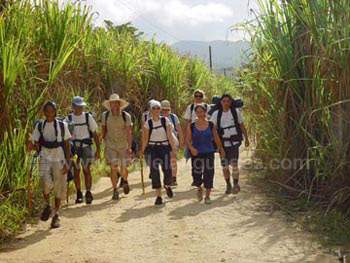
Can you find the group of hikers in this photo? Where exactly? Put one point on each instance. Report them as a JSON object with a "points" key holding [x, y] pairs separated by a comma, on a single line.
{"points": [[208, 129]]}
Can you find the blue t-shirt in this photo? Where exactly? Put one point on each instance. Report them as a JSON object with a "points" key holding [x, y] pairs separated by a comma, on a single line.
{"points": [[202, 141]]}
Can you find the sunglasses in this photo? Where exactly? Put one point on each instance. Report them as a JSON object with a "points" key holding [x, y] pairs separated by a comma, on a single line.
{"points": [[156, 108], [198, 96]]}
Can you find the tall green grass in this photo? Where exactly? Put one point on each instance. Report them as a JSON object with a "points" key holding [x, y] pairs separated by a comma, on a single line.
{"points": [[53, 51], [298, 83]]}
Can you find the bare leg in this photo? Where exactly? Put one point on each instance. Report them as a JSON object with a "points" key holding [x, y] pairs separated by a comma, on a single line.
{"points": [[114, 171], [88, 179], [173, 164], [76, 175]]}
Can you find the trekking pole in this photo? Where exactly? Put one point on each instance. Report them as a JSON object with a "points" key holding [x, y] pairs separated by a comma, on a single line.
{"points": [[141, 165], [29, 192]]}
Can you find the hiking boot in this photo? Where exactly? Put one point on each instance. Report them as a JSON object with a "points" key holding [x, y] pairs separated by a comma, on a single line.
{"points": [[55, 223], [228, 189], [169, 192], [174, 183], [115, 195], [236, 189], [200, 195], [207, 200], [79, 199], [45, 215], [88, 198], [126, 187], [159, 201]]}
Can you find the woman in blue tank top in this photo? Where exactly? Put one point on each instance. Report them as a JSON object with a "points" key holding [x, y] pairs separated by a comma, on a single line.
{"points": [[200, 138]]}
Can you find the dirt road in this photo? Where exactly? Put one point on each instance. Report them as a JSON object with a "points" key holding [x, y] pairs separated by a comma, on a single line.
{"points": [[238, 229]]}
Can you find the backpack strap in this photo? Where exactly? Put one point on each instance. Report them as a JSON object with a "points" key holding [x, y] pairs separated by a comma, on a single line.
{"points": [[218, 122], [150, 126], [124, 117], [70, 117], [238, 126], [163, 121], [192, 108]]}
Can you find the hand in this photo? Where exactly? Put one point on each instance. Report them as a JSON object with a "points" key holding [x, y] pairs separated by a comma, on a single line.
{"points": [[222, 152], [128, 151], [65, 168], [194, 152], [97, 155], [182, 145], [247, 143]]}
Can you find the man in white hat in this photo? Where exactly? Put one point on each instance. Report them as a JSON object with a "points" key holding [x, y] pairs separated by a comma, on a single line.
{"points": [[85, 129], [116, 130]]}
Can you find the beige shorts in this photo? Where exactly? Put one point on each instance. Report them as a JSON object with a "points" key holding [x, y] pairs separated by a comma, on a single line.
{"points": [[51, 177], [116, 156]]}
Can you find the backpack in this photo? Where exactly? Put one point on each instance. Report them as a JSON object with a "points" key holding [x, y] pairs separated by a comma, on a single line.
{"points": [[134, 146], [234, 138], [55, 144], [151, 128], [87, 119], [236, 103]]}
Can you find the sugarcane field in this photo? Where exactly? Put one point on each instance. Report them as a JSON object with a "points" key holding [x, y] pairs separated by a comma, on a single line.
{"points": [[174, 131]]}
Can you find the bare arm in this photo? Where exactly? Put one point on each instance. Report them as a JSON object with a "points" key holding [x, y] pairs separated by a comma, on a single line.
{"points": [[181, 135], [187, 124], [217, 139], [104, 131], [145, 138], [129, 137]]}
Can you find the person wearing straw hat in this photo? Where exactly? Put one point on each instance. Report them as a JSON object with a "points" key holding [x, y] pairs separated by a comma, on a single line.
{"points": [[200, 137], [116, 131], [159, 142], [85, 129], [178, 135]]}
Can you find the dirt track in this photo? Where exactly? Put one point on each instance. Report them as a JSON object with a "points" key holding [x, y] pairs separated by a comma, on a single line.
{"points": [[238, 229]]}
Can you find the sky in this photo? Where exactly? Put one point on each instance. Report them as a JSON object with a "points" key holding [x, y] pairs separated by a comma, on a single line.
{"points": [[175, 20]]}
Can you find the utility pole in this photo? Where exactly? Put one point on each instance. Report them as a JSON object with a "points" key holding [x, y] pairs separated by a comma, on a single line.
{"points": [[210, 59]]}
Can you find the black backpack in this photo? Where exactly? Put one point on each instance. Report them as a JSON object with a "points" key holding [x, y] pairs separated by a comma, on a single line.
{"points": [[236, 103], [87, 115], [55, 144], [150, 125], [234, 138]]}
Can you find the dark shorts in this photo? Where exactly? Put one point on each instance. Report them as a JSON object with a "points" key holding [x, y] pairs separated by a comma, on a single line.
{"points": [[85, 155], [231, 155]]}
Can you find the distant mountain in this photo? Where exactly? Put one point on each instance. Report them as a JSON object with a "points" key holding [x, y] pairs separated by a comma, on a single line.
{"points": [[225, 54]]}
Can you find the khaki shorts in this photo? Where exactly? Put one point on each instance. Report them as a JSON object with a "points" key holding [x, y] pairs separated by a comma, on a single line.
{"points": [[51, 177], [116, 156]]}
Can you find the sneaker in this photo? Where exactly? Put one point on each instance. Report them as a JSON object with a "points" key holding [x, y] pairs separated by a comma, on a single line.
{"points": [[169, 192], [200, 195], [45, 215], [55, 223], [126, 187], [174, 183], [88, 198], [236, 189], [228, 189], [207, 200], [79, 199], [115, 195], [159, 201]]}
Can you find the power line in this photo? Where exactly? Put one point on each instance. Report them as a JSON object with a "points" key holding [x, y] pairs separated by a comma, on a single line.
{"points": [[135, 11]]}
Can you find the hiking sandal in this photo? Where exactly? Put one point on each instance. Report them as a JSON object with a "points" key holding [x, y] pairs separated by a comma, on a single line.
{"points": [[45, 215], [115, 195], [169, 191], [88, 198], [236, 189], [126, 187], [55, 223]]}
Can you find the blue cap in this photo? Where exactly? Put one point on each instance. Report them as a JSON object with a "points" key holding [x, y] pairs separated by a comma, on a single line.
{"points": [[78, 101]]}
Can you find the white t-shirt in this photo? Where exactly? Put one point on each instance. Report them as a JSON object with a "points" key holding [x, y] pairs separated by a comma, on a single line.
{"points": [[56, 154], [226, 121], [82, 131], [193, 117], [158, 133]]}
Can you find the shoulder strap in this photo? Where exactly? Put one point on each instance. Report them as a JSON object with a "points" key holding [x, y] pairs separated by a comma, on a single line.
{"points": [[173, 120], [63, 131], [106, 117], [70, 117], [163, 121], [218, 120], [150, 126], [211, 125], [192, 108], [41, 128], [124, 116], [145, 115], [192, 126], [238, 126]]}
